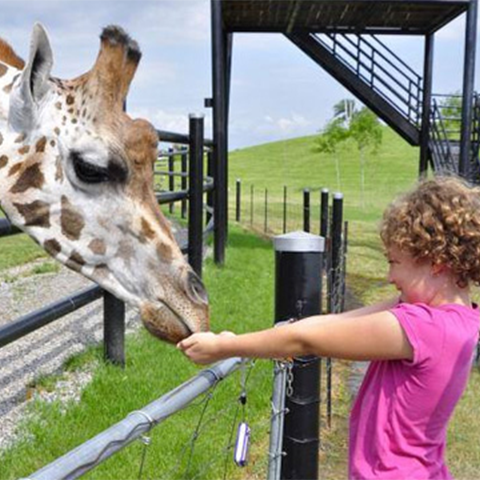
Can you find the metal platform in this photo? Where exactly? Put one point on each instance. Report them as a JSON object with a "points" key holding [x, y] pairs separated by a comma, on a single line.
{"points": [[413, 17]]}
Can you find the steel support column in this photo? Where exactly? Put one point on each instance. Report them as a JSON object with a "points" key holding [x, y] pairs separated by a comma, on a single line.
{"points": [[219, 95], [426, 104], [468, 86]]}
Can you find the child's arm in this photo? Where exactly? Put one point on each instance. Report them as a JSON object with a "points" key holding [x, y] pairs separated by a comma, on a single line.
{"points": [[362, 311], [368, 337]]}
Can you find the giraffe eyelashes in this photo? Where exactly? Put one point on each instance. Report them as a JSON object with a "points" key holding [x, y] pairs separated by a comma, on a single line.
{"points": [[90, 173]]}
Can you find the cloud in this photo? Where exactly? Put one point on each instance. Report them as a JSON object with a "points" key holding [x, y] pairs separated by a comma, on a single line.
{"points": [[169, 120], [295, 123]]}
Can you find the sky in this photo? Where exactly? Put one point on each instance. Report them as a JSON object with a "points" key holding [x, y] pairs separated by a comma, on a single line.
{"points": [[277, 92]]}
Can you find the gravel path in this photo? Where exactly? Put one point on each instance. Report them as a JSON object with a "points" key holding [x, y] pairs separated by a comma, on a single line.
{"points": [[44, 351]]}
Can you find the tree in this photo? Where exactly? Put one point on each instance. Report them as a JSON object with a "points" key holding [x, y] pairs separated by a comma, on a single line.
{"points": [[361, 125], [366, 131], [330, 137]]}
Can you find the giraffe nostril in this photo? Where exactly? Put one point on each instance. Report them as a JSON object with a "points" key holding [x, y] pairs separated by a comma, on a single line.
{"points": [[195, 288]]}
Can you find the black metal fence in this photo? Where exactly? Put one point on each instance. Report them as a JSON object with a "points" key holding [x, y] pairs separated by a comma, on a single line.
{"points": [[315, 212], [191, 154]]}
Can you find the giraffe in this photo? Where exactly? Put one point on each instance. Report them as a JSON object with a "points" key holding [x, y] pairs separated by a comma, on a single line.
{"points": [[76, 174]]}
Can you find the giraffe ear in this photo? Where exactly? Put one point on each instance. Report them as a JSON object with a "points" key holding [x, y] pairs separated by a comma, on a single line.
{"points": [[34, 82]]}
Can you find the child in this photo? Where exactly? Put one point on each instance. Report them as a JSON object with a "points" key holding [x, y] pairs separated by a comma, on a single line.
{"points": [[421, 344]]}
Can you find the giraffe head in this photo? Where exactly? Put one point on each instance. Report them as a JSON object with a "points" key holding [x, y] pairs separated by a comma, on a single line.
{"points": [[77, 176]]}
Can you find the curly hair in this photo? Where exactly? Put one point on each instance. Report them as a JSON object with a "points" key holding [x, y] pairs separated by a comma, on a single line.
{"points": [[438, 222]]}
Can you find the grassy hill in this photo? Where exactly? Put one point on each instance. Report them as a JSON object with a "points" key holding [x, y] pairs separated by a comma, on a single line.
{"points": [[295, 163]]}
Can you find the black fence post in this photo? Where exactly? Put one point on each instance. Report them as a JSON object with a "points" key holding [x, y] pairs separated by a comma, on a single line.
{"points": [[334, 296], [210, 195], [113, 329], [195, 180], [284, 209], [171, 177], [238, 200], [306, 210], [184, 166], [324, 213], [266, 211], [298, 283], [251, 204]]}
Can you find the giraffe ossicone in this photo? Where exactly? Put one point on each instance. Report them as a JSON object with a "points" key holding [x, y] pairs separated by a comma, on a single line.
{"points": [[76, 174]]}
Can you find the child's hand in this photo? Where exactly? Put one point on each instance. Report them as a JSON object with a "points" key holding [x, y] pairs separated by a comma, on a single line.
{"points": [[203, 348]]}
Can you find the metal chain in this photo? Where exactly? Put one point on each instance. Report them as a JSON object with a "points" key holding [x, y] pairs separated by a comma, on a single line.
{"points": [[289, 390]]}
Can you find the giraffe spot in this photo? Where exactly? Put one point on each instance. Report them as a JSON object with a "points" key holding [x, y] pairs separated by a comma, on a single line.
{"points": [[58, 105], [3, 69], [31, 177], [70, 110], [8, 88], [97, 246], [1, 138], [147, 230], [70, 99], [84, 112], [52, 247], [15, 169], [58, 170], [164, 251], [24, 150], [52, 143], [36, 214], [75, 261], [57, 131], [100, 272], [21, 138], [40, 145], [74, 120], [3, 161], [125, 251], [71, 220]]}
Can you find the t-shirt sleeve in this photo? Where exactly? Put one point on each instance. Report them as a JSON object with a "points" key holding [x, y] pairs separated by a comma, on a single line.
{"points": [[425, 335]]}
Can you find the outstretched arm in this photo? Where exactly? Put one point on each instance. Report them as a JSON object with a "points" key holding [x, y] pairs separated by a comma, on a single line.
{"points": [[367, 337]]}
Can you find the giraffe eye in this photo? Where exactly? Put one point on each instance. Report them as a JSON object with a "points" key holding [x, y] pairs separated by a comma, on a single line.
{"points": [[88, 172]]}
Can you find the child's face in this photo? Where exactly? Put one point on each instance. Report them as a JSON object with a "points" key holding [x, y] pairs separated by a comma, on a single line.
{"points": [[414, 280]]}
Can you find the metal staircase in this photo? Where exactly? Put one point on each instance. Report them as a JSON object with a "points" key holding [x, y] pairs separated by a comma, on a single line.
{"points": [[394, 91], [444, 138], [373, 73]]}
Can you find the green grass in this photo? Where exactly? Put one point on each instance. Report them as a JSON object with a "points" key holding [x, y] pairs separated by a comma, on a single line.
{"points": [[295, 163], [241, 300], [18, 250]]}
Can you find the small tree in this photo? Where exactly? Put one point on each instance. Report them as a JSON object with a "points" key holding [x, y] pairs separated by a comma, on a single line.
{"points": [[330, 138], [366, 130]]}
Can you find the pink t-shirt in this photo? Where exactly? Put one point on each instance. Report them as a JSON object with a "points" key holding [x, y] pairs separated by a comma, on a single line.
{"points": [[398, 423]]}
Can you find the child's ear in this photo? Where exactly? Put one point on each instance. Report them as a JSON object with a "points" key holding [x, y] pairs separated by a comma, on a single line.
{"points": [[438, 269], [34, 82]]}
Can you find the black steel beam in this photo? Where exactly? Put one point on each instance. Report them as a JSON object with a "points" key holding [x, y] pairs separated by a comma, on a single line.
{"points": [[468, 86], [349, 80], [195, 187], [426, 104], [219, 73]]}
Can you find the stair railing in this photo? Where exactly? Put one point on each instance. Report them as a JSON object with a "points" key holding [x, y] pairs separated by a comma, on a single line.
{"points": [[440, 144], [380, 68]]}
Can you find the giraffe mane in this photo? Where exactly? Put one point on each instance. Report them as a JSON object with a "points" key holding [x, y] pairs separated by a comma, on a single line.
{"points": [[8, 55]]}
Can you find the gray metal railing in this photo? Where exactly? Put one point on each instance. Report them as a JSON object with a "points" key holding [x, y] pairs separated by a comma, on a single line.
{"points": [[93, 452]]}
